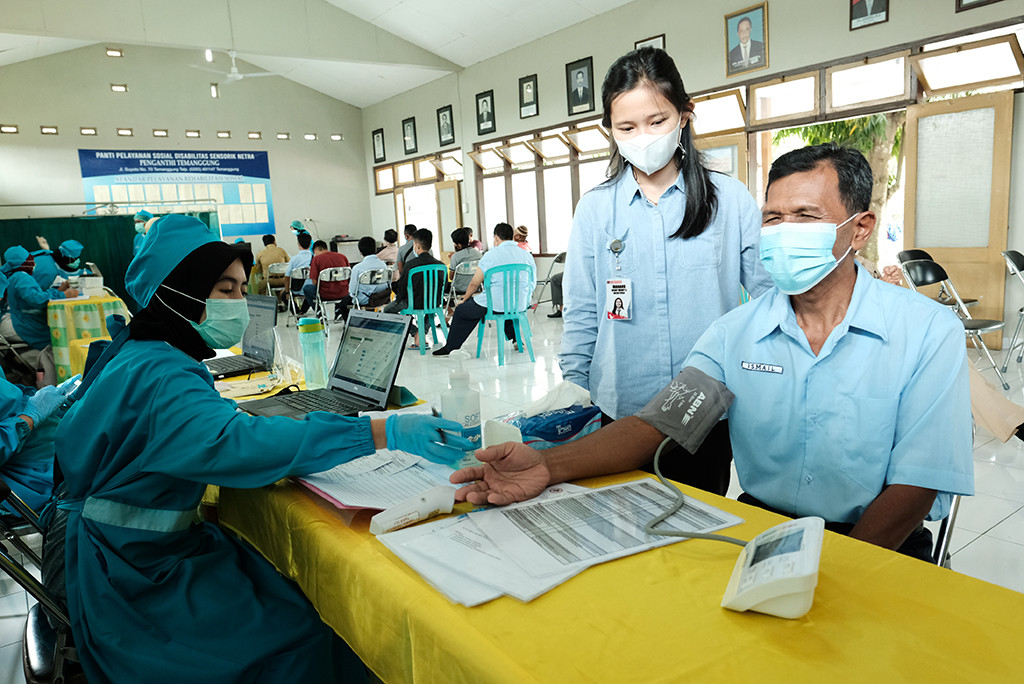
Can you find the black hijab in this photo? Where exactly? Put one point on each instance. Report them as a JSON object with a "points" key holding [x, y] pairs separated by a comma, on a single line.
{"points": [[195, 276]]}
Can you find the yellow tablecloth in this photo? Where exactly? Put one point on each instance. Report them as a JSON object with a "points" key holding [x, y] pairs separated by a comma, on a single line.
{"points": [[652, 617], [76, 323]]}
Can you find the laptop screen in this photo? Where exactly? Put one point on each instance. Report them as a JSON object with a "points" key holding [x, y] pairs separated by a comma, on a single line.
{"points": [[369, 353], [258, 340]]}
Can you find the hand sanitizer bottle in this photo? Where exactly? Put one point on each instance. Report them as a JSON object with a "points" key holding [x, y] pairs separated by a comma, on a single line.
{"points": [[462, 405]]}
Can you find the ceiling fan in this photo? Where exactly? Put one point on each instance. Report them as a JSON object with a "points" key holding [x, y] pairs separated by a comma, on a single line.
{"points": [[234, 74]]}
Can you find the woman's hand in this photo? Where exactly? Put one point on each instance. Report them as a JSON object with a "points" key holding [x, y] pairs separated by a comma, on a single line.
{"points": [[510, 472]]}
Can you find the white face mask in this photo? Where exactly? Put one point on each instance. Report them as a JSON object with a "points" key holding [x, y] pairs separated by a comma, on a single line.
{"points": [[649, 152]]}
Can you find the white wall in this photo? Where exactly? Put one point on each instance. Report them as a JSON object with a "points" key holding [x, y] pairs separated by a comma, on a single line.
{"points": [[322, 180], [800, 32]]}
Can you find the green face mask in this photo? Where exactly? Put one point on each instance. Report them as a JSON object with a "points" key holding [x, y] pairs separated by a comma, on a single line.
{"points": [[225, 323]]}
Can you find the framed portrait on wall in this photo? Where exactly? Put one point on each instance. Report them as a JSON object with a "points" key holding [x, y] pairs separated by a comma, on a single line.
{"points": [[409, 135], [746, 40], [378, 145], [528, 105], [445, 126], [485, 112], [579, 85], [962, 5], [653, 41], [868, 13]]}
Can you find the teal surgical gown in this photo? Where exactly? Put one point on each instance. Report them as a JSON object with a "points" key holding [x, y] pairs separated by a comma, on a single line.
{"points": [[153, 596], [137, 243], [47, 270], [28, 308], [26, 456]]}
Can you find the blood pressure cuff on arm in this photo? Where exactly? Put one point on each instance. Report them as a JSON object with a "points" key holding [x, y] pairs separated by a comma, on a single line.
{"points": [[688, 408]]}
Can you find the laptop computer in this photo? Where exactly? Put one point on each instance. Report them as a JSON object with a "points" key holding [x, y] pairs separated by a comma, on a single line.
{"points": [[257, 342], [363, 374]]}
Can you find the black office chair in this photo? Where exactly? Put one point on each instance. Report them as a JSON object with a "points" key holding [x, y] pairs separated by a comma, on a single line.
{"points": [[1015, 265], [943, 297], [48, 652], [923, 272]]}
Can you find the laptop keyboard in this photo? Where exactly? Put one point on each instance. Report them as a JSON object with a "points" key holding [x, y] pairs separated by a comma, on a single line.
{"points": [[226, 364], [320, 401]]}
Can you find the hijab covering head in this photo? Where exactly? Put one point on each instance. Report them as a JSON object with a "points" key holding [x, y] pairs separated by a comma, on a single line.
{"points": [[72, 249], [14, 258], [187, 258], [143, 216]]}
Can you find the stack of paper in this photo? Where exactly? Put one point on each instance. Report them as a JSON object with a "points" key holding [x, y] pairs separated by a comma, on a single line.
{"points": [[381, 480], [526, 549]]}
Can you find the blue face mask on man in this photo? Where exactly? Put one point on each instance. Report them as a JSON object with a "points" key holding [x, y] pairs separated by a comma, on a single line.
{"points": [[798, 256], [225, 323]]}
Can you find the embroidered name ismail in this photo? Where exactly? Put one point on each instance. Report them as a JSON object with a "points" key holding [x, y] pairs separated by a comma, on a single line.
{"points": [[678, 395]]}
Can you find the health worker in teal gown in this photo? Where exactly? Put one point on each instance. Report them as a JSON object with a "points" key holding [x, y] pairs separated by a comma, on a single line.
{"points": [[152, 595], [66, 262], [140, 230], [27, 300]]}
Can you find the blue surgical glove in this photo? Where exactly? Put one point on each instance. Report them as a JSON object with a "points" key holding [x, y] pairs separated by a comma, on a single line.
{"points": [[421, 435], [43, 403], [69, 385]]}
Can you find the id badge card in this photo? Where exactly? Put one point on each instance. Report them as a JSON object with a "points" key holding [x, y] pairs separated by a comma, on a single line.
{"points": [[618, 300]]}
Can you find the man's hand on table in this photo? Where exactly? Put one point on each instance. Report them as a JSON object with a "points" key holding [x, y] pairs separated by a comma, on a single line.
{"points": [[70, 292], [511, 472]]}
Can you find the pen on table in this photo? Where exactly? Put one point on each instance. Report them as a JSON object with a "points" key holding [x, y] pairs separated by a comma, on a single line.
{"points": [[444, 439]]}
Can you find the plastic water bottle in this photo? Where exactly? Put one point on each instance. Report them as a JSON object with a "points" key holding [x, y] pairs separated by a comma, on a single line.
{"points": [[314, 356], [462, 405]]}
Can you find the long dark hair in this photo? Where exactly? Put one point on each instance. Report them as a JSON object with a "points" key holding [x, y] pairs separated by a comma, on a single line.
{"points": [[653, 68]]}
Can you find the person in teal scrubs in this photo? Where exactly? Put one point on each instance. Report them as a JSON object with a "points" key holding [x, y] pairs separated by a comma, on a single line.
{"points": [[140, 229], [151, 593], [27, 300], [66, 262]]}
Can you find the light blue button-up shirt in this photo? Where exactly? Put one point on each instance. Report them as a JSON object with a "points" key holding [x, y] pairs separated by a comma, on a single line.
{"points": [[885, 401], [678, 286], [504, 254], [363, 292]]}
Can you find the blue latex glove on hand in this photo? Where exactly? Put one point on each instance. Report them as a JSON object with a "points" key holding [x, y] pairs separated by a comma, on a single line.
{"points": [[43, 403], [69, 385], [421, 435]]}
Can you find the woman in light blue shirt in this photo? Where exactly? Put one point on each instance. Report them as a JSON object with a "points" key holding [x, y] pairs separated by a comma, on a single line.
{"points": [[683, 238]]}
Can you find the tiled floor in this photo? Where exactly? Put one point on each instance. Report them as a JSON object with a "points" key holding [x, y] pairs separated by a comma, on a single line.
{"points": [[988, 540]]}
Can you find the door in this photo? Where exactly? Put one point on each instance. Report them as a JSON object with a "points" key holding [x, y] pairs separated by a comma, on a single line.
{"points": [[958, 193]]}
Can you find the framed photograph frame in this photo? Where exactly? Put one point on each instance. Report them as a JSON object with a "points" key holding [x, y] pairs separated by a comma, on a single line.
{"points": [[861, 15], [528, 104], [378, 145], [445, 126], [409, 135], [579, 86], [746, 40], [964, 5], [485, 112], [657, 41]]}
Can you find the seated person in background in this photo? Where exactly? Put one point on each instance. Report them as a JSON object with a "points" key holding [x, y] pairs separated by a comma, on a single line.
{"points": [[405, 252], [368, 295], [519, 235], [851, 397], [334, 291], [26, 440], [142, 220], [270, 254], [300, 260], [389, 252], [473, 242], [463, 252], [473, 307], [27, 301], [65, 263], [410, 294], [556, 294]]}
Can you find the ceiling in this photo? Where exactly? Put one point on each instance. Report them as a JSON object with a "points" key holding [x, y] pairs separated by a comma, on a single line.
{"points": [[358, 51]]}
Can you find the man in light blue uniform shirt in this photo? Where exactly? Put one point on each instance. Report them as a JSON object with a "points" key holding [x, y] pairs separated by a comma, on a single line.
{"points": [[370, 262], [474, 306], [301, 260], [851, 394]]}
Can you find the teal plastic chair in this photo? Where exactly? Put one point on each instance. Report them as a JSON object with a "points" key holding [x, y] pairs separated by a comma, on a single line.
{"points": [[513, 308], [431, 278]]}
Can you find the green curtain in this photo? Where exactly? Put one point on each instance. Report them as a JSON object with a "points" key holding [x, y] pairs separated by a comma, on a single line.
{"points": [[108, 241]]}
